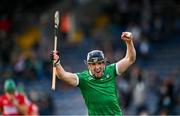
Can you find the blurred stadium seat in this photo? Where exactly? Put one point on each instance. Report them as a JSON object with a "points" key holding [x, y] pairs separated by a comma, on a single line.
{"points": [[96, 25]]}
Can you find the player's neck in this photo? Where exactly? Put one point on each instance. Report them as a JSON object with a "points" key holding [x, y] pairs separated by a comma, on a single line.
{"points": [[95, 76]]}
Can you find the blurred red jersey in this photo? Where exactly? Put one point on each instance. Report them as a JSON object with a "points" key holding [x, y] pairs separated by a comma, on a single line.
{"points": [[33, 109], [7, 107]]}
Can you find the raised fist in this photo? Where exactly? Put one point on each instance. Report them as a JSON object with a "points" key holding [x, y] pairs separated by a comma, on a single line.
{"points": [[127, 36]]}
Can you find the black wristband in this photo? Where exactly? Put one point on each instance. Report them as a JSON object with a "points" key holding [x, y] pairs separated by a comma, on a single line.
{"points": [[56, 63]]}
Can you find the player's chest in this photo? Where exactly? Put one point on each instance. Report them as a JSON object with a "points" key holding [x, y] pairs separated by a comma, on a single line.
{"points": [[7, 102], [104, 79], [8, 107]]}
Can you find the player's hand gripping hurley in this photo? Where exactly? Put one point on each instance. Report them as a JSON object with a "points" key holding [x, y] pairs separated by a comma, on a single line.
{"points": [[56, 26]]}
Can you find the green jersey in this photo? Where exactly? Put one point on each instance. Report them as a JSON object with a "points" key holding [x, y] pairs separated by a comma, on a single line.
{"points": [[100, 95]]}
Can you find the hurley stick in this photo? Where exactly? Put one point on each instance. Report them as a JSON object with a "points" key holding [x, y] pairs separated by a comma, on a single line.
{"points": [[56, 26]]}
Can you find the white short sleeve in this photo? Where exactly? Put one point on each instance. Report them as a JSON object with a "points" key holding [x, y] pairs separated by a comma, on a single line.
{"points": [[117, 71], [77, 78]]}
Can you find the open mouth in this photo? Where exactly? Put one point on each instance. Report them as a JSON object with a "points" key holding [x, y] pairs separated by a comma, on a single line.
{"points": [[97, 70], [97, 73]]}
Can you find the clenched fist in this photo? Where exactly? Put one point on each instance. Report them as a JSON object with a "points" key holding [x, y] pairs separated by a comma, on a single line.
{"points": [[127, 36], [54, 56]]}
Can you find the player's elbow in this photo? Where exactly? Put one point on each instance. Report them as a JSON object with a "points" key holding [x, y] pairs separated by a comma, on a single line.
{"points": [[69, 78], [132, 59]]}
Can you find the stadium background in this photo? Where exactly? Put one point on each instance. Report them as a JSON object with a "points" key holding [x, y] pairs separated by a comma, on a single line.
{"points": [[150, 86]]}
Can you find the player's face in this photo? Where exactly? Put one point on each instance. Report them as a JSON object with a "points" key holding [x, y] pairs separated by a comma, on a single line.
{"points": [[97, 68]]}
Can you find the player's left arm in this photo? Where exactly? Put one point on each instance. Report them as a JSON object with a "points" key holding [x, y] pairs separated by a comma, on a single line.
{"points": [[130, 57]]}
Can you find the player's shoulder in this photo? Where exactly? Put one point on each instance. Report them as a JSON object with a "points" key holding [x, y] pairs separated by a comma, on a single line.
{"points": [[83, 74], [20, 95], [111, 68]]}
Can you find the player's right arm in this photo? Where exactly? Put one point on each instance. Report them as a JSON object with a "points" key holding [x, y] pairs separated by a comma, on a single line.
{"points": [[63, 75]]}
